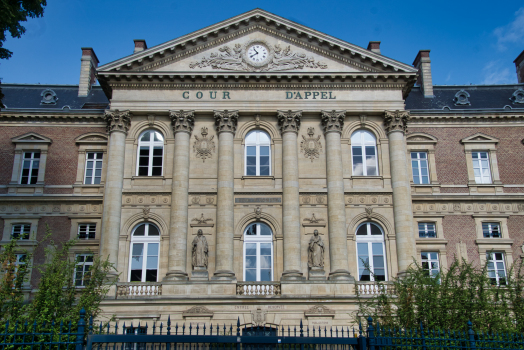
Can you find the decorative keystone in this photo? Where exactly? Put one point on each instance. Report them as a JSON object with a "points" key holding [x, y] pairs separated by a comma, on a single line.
{"points": [[118, 120], [396, 121], [289, 120], [333, 120], [182, 120], [226, 121]]}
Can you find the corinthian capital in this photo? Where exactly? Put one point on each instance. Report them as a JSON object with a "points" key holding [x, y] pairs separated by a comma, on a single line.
{"points": [[226, 121], [118, 120], [289, 120], [396, 121], [333, 120], [182, 120]]}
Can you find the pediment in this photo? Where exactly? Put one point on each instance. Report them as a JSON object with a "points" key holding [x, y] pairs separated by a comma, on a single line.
{"points": [[294, 49], [420, 137], [92, 138], [479, 138], [319, 310], [31, 137]]}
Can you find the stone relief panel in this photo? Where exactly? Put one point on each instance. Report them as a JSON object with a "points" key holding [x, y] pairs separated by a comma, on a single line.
{"points": [[367, 199], [145, 199], [204, 147], [311, 145], [313, 199], [48, 208], [468, 207]]}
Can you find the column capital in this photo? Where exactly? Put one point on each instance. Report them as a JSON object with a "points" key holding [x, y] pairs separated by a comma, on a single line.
{"points": [[182, 121], [396, 121], [226, 121], [118, 120], [289, 121], [333, 121]]}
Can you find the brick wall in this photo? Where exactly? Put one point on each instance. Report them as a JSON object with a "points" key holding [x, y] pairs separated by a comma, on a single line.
{"points": [[61, 229], [460, 228], [451, 159], [62, 157]]}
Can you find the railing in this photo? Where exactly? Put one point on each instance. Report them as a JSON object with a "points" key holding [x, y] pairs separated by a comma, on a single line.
{"points": [[372, 288], [137, 289], [258, 288]]}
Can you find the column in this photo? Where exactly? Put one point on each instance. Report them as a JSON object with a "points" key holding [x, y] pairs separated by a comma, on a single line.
{"points": [[117, 125], [333, 122], [289, 122], [395, 124], [182, 123], [226, 124]]}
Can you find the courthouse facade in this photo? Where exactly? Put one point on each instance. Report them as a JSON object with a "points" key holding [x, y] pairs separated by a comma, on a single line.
{"points": [[261, 170]]}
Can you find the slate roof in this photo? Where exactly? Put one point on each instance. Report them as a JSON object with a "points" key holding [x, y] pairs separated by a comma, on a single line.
{"points": [[481, 97], [29, 96]]}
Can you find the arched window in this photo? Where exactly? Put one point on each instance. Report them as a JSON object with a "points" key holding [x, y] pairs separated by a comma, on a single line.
{"points": [[258, 253], [370, 253], [150, 153], [258, 154], [145, 244], [364, 152]]}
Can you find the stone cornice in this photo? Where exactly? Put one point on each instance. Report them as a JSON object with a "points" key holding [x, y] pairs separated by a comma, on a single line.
{"points": [[75, 116]]}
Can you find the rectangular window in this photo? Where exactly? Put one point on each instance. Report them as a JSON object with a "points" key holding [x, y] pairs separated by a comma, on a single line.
{"points": [[371, 262], [481, 167], [84, 262], [30, 165], [144, 262], [496, 268], [86, 231], [430, 263], [426, 230], [21, 231], [93, 174], [419, 165], [491, 230]]}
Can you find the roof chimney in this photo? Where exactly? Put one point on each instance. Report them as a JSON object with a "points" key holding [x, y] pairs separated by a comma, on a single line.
{"points": [[374, 46], [140, 45], [423, 64], [519, 64], [87, 71]]}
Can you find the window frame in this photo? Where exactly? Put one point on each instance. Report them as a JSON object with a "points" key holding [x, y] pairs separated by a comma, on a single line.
{"points": [[419, 160], [151, 144], [426, 230], [370, 239], [488, 226], [95, 162], [83, 264], [477, 158], [476, 143], [429, 261], [258, 239], [24, 236], [32, 159], [146, 240], [257, 144], [495, 262], [88, 230], [363, 145]]}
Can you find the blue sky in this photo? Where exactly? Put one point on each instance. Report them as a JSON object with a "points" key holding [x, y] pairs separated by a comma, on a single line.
{"points": [[471, 42]]}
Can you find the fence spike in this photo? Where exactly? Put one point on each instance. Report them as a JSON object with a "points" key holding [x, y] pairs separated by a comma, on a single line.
{"points": [[184, 329], [161, 327], [301, 329], [288, 331], [168, 329], [101, 327], [204, 329], [231, 329], [176, 328], [154, 327], [124, 329], [238, 326]]}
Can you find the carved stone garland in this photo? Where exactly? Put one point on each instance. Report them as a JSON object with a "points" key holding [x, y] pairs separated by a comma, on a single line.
{"points": [[118, 120], [182, 120], [226, 121], [396, 121], [311, 146], [289, 120], [203, 146], [333, 120]]}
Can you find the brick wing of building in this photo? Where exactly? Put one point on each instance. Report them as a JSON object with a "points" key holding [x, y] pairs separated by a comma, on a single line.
{"points": [[261, 170]]}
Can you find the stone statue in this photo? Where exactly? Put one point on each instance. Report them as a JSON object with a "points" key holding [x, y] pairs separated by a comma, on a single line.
{"points": [[316, 251], [200, 250]]}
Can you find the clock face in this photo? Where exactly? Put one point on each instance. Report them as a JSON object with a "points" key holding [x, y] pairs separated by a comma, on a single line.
{"points": [[257, 53]]}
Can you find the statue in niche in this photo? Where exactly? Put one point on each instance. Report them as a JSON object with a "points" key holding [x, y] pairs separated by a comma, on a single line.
{"points": [[316, 251], [200, 250]]}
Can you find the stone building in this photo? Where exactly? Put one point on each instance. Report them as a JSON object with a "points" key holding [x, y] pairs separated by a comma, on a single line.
{"points": [[247, 170]]}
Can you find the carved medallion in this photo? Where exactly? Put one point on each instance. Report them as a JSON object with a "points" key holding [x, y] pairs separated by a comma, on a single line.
{"points": [[259, 317], [520, 206], [203, 146], [311, 146], [456, 207]]}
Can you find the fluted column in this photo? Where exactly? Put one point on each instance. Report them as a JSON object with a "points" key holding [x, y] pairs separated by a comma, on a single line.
{"points": [[117, 125], [183, 123], [289, 122], [226, 124], [395, 123], [333, 122]]}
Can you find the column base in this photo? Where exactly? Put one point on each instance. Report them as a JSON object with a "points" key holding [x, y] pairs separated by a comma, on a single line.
{"points": [[339, 275], [317, 274], [199, 274], [292, 275], [111, 277], [176, 275], [224, 275], [402, 274]]}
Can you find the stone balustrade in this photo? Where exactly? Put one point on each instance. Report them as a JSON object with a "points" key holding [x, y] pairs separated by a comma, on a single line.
{"points": [[372, 288], [258, 288], [137, 289]]}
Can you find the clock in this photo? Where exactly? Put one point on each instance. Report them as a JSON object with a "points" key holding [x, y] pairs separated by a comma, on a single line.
{"points": [[257, 54]]}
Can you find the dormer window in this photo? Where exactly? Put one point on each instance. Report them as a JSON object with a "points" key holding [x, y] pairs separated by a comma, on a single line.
{"points": [[462, 98]]}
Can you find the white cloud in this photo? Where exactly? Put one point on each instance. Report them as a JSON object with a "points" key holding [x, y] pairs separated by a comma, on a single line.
{"points": [[512, 32], [496, 72]]}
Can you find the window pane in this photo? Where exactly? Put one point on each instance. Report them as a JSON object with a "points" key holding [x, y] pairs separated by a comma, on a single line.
{"points": [[153, 230], [362, 249], [375, 230], [264, 160], [251, 230], [251, 262], [140, 230], [251, 170], [151, 275], [250, 160], [265, 262], [158, 137], [265, 249], [264, 150], [264, 171], [362, 230], [146, 136], [265, 275], [377, 248], [265, 230], [251, 151], [251, 275], [251, 249], [152, 262], [152, 249]]}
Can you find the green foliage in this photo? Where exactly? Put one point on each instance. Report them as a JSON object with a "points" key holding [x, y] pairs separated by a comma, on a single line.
{"points": [[12, 12], [449, 300]]}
